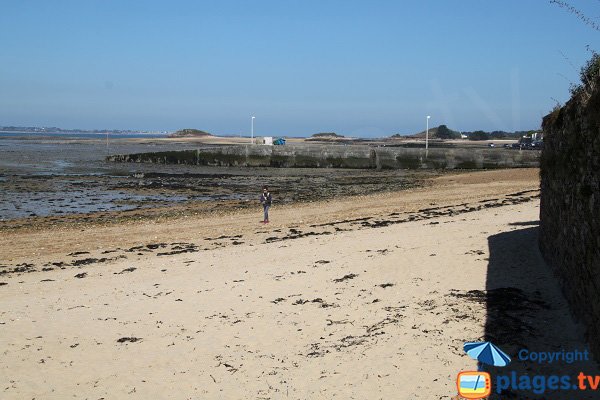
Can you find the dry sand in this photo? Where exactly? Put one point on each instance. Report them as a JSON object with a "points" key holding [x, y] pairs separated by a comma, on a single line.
{"points": [[359, 298]]}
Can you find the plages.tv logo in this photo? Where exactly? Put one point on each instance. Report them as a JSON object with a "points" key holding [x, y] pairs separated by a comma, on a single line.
{"points": [[474, 385], [478, 384]]}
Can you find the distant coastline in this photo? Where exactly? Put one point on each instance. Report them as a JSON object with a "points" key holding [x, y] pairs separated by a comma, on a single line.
{"points": [[441, 132], [81, 134], [55, 130]]}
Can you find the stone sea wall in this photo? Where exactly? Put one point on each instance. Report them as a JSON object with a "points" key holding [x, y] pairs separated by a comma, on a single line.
{"points": [[570, 206], [339, 156]]}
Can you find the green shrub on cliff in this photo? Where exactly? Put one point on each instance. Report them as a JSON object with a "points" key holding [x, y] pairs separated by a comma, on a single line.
{"points": [[589, 76]]}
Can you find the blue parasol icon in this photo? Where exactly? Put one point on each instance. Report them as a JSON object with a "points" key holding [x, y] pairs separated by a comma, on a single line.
{"points": [[487, 353]]}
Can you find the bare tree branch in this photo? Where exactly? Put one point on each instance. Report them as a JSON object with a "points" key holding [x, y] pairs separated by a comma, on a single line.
{"points": [[586, 20]]}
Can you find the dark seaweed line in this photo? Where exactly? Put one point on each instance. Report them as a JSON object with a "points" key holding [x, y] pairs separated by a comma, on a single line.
{"points": [[447, 212], [423, 214]]}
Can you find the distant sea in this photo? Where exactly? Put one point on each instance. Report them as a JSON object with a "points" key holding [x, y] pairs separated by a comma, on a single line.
{"points": [[82, 135]]}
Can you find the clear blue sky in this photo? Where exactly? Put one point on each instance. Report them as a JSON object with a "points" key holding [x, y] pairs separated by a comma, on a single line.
{"points": [[359, 68]]}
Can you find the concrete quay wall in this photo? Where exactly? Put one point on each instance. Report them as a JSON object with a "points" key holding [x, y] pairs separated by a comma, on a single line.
{"points": [[339, 156]]}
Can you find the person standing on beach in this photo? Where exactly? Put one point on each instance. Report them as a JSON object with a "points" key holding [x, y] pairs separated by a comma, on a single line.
{"points": [[265, 200]]}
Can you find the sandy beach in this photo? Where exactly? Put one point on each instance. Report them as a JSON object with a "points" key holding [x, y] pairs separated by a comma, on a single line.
{"points": [[364, 297]]}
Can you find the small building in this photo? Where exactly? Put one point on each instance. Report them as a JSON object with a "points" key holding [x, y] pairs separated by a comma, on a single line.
{"points": [[267, 140]]}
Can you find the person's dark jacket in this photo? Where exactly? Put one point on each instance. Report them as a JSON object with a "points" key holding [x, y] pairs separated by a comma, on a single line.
{"points": [[266, 199]]}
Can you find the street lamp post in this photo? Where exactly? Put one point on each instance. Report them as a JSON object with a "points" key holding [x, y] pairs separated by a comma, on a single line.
{"points": [[427, 134], [252, 130]]}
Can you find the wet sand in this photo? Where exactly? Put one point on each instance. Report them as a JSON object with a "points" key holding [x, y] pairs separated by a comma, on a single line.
{"points": [[361, 297]]}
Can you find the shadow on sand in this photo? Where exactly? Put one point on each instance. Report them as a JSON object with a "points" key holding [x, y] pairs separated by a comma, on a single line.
{"points": [[526, 311]]}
